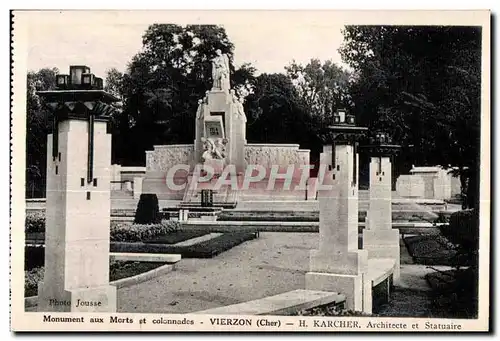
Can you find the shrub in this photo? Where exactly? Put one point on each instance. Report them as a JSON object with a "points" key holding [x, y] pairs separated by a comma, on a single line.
{"points": [[147, 211], [331, 310], [140, 232], [34, 222], [32, 277], [463, 229]]}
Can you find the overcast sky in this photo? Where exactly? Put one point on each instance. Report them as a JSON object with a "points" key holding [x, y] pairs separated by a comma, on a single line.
{"points": [[72, 38]]}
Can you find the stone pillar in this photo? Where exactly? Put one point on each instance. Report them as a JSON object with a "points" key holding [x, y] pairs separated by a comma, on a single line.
{"points": [[77, 223], [138, 187], [380, 240], [116, 178], [312, 188], [338, 265]]}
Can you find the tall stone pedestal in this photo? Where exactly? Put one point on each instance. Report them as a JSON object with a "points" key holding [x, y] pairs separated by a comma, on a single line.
{"points": [[338, 265], [76, 274], [380, 240], [224, 104]]}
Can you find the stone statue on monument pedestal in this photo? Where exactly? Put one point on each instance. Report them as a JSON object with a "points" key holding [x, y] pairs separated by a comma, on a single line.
{"points": [[220, 72], [238, 103], [199, 112]]}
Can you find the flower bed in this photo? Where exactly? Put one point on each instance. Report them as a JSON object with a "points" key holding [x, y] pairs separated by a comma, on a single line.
{"points": [[34, 222], [117, 270], [454, 293], [431, 250], [31, 279], [205, 249], [124, 269]]}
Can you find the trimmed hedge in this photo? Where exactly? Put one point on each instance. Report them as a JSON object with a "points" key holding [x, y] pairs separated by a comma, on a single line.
{"points": [[463, 229], [124, 269], [205, 249], [34, 222], [139, 232], [175, 237], [34, 256], [148, 211]]}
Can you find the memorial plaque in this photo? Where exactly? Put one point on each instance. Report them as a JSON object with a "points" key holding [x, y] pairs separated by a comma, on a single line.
{"points": [[214, 127]]}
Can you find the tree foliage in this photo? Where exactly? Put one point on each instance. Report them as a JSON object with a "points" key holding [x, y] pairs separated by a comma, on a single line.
{"points": [[37, 118], [165, 80], [423, 85], [322, 87], [276, 113]]}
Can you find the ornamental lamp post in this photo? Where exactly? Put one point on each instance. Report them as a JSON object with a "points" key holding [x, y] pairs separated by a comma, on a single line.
{"points": [[344, 131], [380, 146], [338, 265], [78, 201], [80, 96]]}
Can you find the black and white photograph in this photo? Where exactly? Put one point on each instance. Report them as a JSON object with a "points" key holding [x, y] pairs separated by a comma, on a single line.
{"points": [[309, 171]]}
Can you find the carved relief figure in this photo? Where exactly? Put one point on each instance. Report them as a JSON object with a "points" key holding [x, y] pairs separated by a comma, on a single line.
{"points": [[199, 112], [214, 148], [240, 109], [220, 71], [238, 104]]}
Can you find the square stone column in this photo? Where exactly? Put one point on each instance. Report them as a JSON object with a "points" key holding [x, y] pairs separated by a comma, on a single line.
{"points": [[138, 187], [338, 265], [76, 274]]}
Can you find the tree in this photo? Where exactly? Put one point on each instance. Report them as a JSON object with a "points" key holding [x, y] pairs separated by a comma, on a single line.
{"points": [[276, 113], [114, 82], [37, 128], [321, 87], [164, 81], [422, 84]]}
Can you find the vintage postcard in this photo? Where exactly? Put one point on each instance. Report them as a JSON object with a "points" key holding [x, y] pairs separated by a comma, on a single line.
{"points": [[307, 171]]}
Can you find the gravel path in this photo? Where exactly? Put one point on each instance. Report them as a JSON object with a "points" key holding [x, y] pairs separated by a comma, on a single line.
{"points": [[272, 264]]}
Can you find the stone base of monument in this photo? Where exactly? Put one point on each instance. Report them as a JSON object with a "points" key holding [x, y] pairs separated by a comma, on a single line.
{"points": [[95, 299], [353, 287], [382, 245], [344, 273], [224, 195]]}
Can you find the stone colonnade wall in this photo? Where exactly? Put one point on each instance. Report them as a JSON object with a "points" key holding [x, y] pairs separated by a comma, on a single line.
{"points": [[282, 155], [428, 182], [160, 160], [126, 181]]}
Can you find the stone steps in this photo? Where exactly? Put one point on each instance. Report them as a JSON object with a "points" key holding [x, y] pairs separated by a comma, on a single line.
{"points": [[287, 226]]}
